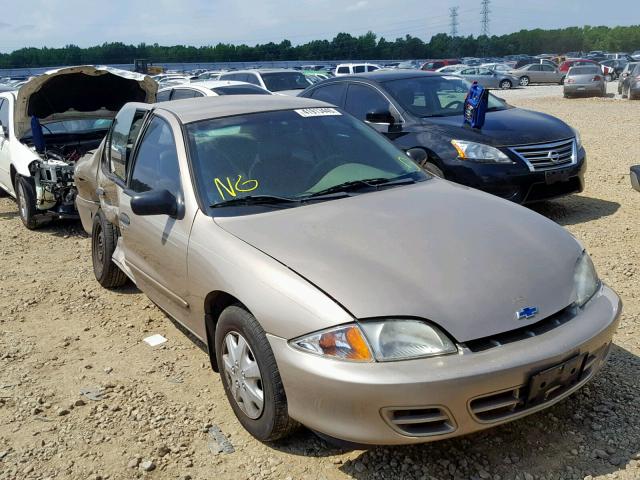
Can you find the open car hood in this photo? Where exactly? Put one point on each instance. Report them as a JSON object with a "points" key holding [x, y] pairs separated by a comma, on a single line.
{"points": [[80, 92]]}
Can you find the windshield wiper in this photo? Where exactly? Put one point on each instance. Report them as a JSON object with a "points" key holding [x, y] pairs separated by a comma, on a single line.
{"points": [[255, 200], [369, 183]]}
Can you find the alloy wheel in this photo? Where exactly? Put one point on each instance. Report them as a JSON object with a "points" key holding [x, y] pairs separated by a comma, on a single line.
{"points": [[243, 375]]}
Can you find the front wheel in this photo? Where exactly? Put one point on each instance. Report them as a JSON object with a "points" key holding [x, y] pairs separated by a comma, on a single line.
{"points": [[505, 84], [103, 243], [26, 198], [524, 81], [250, 376]]}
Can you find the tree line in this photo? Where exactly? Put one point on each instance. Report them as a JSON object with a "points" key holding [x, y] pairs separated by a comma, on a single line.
{"points": [[343, 46]]}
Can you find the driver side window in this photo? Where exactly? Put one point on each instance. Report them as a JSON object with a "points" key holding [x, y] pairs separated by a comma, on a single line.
{"points": [[362, 100], [4, 114], [156, 163]]}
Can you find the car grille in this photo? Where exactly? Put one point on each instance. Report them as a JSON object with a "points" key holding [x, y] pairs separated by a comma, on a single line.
{"points": [[533, 330], [500, 406], [546, 156], [419, 421]]}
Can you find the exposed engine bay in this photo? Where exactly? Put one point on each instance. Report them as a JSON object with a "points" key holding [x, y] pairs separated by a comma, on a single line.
{"points": [[53, 174]]}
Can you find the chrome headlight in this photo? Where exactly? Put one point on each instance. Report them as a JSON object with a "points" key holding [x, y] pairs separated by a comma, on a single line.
{"points": [[585, 280], [403, 339], [478, 152], [382, 340]]}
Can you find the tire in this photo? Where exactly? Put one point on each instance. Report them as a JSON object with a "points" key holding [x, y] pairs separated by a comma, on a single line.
{"points": [[524, 81], [433, 169], [506, 84], [26, 199], [270, 421], [104, 237]]}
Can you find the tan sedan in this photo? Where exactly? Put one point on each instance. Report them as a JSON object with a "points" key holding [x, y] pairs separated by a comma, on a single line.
{"points": [[335, 283]]}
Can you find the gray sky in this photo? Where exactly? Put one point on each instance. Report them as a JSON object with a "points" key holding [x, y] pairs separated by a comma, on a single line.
{"points": [[55, 23]]}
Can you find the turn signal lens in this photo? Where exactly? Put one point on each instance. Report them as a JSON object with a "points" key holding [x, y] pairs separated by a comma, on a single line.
{"points": [[342, 343]]}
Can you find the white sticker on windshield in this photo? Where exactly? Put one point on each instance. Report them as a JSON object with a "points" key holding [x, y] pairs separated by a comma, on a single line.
{"points": [[317, 112]]}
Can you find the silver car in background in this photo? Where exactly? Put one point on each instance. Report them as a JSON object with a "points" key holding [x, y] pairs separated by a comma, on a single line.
{"points": [[488, 78], [584, 80], [335, 283], [538, 73]]}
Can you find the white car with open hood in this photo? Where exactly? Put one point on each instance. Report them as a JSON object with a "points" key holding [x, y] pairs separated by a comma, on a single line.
{"points": [[51, 122]]}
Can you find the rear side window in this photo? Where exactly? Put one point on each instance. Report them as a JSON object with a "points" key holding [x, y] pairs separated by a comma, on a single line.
{"points": [[182, 93], [343, 69], [371, 68], [548, 68], [333, 93], [124, 132], [4, 113], [358, 69], [156, 164], [535, 68], [163, 96]]}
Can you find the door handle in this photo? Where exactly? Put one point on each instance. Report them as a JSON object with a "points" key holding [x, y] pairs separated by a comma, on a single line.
{"points": [[124, 219]]}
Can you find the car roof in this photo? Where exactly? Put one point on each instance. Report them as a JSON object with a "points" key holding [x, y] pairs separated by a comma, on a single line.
{"points": [[385, 75], [209, 84], [262, 70], [203, 108]]}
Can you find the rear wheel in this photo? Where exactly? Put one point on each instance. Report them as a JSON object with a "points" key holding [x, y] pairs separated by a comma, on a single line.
{"points": [[250, 376], [506, 84], [26, 198], [103, 243], [524, 81]]}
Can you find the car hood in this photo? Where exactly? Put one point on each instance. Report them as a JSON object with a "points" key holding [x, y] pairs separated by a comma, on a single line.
{"points": [[80, 92], [459, 257], [513, 126]]}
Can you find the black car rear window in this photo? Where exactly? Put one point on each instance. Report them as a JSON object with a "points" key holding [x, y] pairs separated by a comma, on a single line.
{"points": [[240, 90]]}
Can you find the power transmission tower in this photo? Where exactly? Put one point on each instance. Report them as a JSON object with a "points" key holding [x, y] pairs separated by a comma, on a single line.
{"points": [[453, 14], [485, 17]]}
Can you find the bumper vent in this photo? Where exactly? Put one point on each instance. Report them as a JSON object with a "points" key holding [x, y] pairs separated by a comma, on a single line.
{"points": [[419, 421], [547, 156], [539, 328]]}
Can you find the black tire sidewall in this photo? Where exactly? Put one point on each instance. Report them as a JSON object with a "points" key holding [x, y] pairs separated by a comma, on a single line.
{"points": [[237, 319], [98, 222], [29, 199]]}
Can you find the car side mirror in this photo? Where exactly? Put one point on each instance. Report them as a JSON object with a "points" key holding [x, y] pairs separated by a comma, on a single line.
{"points": [[418, 155], [635, 177], [380, 118], [154, 202]]}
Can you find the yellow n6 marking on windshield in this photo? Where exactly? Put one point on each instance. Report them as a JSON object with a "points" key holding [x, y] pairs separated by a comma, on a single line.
{"points": [[231, 188]]}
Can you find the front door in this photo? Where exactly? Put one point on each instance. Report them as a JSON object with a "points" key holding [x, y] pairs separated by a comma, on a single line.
{"points": [[155, 246], [5, 156]]}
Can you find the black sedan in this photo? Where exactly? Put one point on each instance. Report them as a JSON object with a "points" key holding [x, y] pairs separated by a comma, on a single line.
{"points": [[518, 154]]}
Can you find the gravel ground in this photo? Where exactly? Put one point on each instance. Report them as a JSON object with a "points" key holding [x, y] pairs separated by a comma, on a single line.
{"points": [[60, 333]]}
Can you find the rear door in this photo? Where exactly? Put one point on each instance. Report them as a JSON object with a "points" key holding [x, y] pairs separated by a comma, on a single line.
{"points": [[155, 246], [550, 74]]}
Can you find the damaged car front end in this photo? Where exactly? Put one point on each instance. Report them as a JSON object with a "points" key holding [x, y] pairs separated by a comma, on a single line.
{"points": [[54, 120]]}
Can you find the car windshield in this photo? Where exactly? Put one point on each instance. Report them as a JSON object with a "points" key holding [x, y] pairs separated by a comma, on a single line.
{"points": [[240, 90], [76, 126], [435, 96], [292, 155], [279, 81]]}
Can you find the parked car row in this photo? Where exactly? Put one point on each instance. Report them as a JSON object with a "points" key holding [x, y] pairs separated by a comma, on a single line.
{"points": [[310, 243]]}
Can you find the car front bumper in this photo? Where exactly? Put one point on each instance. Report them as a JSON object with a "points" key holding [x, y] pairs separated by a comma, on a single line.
{"points": [[516, 182], [440, 397]]}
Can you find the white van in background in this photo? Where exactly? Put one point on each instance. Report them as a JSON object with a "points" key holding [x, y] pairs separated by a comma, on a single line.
{"points": [[351, 68]]}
